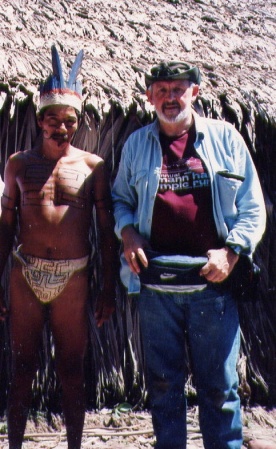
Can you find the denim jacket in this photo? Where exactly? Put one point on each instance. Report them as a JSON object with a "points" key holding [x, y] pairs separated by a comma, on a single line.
{"points": [[238, 204]]}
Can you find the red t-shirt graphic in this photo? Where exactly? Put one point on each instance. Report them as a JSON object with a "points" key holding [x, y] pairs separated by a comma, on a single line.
{"points": [[183, 220]]}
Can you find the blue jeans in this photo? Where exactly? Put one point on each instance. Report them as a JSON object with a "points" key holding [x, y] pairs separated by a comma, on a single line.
{"points": [[208, 322]]}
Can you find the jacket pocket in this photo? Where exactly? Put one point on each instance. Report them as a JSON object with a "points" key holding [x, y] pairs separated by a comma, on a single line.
{"points": [[228, 186]]}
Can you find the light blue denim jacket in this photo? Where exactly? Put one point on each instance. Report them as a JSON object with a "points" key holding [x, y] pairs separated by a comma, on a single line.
{"points": [[238, 204]]}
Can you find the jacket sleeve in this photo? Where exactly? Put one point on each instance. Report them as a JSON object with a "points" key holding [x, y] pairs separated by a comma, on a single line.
{"points": [[248, 226], [123, 193]]}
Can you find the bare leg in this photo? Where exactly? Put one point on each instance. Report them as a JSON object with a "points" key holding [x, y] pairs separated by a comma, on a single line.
{"points": [[69, 326], [26, 325]]}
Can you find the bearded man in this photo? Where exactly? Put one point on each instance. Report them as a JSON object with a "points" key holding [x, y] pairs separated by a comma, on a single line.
{"points": [[188, 205]]}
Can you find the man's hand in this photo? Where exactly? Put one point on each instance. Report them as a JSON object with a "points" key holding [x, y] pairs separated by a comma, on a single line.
{"points": [[105, 306], [220, 264], [3, 308], [134, 245]]}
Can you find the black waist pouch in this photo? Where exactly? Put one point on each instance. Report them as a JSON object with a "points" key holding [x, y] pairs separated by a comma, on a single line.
{"points": [[172, 269]]}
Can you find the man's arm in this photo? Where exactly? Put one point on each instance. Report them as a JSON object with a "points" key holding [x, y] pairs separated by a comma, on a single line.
{"points": [[247, 224], [124, 195], [108, 243], [8, 219], [125, 205], [250, 220]]}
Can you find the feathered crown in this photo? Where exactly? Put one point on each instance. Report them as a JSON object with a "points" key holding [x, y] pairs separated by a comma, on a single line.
{"points": [[57, 90]]}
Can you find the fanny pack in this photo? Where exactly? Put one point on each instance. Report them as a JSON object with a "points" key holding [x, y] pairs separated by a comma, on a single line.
{"points": [[172, 269]]}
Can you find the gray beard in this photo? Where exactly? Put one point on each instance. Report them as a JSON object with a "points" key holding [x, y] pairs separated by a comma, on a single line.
{"points": [[182, 116]]}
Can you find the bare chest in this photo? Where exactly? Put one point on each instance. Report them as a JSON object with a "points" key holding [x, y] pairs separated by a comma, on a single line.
{"points": [[51, 185]]}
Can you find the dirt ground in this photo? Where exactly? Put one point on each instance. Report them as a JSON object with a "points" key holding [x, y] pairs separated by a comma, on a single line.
{"points": [[123, 429]]}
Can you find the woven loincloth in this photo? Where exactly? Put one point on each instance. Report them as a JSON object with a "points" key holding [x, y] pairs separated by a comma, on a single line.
{"points": [[48, 277]]}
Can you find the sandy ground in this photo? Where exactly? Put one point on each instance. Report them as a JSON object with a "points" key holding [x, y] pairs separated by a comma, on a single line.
{"points": [[119, 429]]}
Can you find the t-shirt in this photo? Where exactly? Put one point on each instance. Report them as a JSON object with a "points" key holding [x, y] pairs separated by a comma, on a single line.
{"points": [[183, 220]]}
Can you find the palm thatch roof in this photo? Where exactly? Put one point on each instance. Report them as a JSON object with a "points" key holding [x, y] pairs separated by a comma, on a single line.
{"points": [[232, 42], [234, 45]]}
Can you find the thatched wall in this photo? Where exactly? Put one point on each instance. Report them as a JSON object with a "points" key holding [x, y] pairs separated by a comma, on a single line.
{"points": [[234, 45], [114, 364]]}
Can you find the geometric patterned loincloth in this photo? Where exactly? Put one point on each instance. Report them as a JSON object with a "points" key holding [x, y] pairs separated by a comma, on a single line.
{"points": [[48, 277]]}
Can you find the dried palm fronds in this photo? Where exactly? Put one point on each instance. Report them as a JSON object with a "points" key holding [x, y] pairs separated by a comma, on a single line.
{"points": [[114, 364]]}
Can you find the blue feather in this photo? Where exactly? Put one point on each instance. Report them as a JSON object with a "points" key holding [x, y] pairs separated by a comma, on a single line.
{"points": [[72, 80], [58, 79]]}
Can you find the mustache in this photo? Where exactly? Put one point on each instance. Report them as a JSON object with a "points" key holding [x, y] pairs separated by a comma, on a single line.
{"points": [[171, 103], [56, 136]]}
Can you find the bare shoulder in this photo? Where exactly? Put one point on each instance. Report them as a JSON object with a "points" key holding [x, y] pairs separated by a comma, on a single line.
{"points": [[13, 168], [16, 160], [19, 156], [91, 159]]}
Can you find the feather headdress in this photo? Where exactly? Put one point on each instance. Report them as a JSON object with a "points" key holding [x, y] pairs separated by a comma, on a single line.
{"points": [[56, 90]]}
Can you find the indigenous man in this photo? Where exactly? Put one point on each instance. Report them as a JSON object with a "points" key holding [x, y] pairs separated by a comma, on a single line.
{"points": [[47, 203], [187, 190]]}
